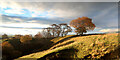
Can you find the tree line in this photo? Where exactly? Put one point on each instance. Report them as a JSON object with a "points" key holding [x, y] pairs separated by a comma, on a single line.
{"points": [[81, 25], [57, 30]]}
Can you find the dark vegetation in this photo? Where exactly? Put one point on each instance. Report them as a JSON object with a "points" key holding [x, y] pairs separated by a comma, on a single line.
{"points": [[23, 46], [66, 54]]}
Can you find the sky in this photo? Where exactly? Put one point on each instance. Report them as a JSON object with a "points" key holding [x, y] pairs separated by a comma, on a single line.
{"points": [[30, 17]]}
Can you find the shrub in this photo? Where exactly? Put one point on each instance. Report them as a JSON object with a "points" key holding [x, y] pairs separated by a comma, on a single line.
{"points": [[8, 51], [5, 36], [26, 39], [18, 36], [38, 35]]}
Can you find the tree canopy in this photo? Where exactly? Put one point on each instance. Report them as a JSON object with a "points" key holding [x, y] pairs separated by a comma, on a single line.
{"points": [[82, 25], [5, 36], [26, 39], [56, 30]]}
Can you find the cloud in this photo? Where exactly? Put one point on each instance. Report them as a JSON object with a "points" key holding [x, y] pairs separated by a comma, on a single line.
{"points": [[14, 11], [25, 25], [65, 0], [10, 19], [37, 14], [107, 17], [16, 19], [0, 19], [37, 20], [32, 21], [19, 31], [64, 9], [109, 30], [10, 3], [24, 22]]}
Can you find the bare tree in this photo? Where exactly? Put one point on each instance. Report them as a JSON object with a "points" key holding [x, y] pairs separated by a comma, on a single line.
{"points": [[38, 35], [68, 30], [56, 30], [47, 32], [64, 29]]}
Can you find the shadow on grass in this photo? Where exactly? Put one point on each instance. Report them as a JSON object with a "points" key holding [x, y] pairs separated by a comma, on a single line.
{"points": [[66, 54]]}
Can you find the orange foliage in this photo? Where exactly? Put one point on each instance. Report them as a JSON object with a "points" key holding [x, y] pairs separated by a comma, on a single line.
{"points": [[82, 24], [26, 39], [8, 50], [7, 45], [18, 36], [38, 35]]}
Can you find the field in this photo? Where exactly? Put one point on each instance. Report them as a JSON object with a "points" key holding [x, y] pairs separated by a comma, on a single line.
{"points": [[80, 47]]}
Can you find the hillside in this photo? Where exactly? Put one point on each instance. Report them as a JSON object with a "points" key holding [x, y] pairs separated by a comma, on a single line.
{"points": [[76, 47]]}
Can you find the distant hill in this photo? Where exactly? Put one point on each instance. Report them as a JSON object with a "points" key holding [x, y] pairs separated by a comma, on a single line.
{"points": [[86, 46]]}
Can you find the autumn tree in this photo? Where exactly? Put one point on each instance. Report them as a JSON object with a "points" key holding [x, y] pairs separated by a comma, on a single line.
{"points": [[82, 25], [18, 36], [8, 51], [5, 36], [38, 35], [26, 39]]}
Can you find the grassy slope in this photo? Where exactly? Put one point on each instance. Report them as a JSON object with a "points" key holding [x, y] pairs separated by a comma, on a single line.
{"points": [[94, 46]]}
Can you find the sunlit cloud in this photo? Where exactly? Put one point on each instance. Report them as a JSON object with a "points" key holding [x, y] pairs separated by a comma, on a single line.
{"points": [[25, 25], [109, 30], [0, 19], [16, 19], [19, 31], [33, 21], [14, 11]]}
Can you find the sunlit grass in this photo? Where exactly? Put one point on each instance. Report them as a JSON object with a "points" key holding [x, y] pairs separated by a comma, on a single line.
{"points": [[95, 45]]}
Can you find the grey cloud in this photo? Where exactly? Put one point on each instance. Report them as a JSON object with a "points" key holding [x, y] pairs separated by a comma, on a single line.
{"points": [[104, 14], [64, 0], [21, 27], [107, 18], [9, 19], [71, 9]]}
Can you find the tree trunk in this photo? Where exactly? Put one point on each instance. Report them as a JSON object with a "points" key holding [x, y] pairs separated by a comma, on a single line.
{"points": [[82, 33], [77, 33], [53, 34]]}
